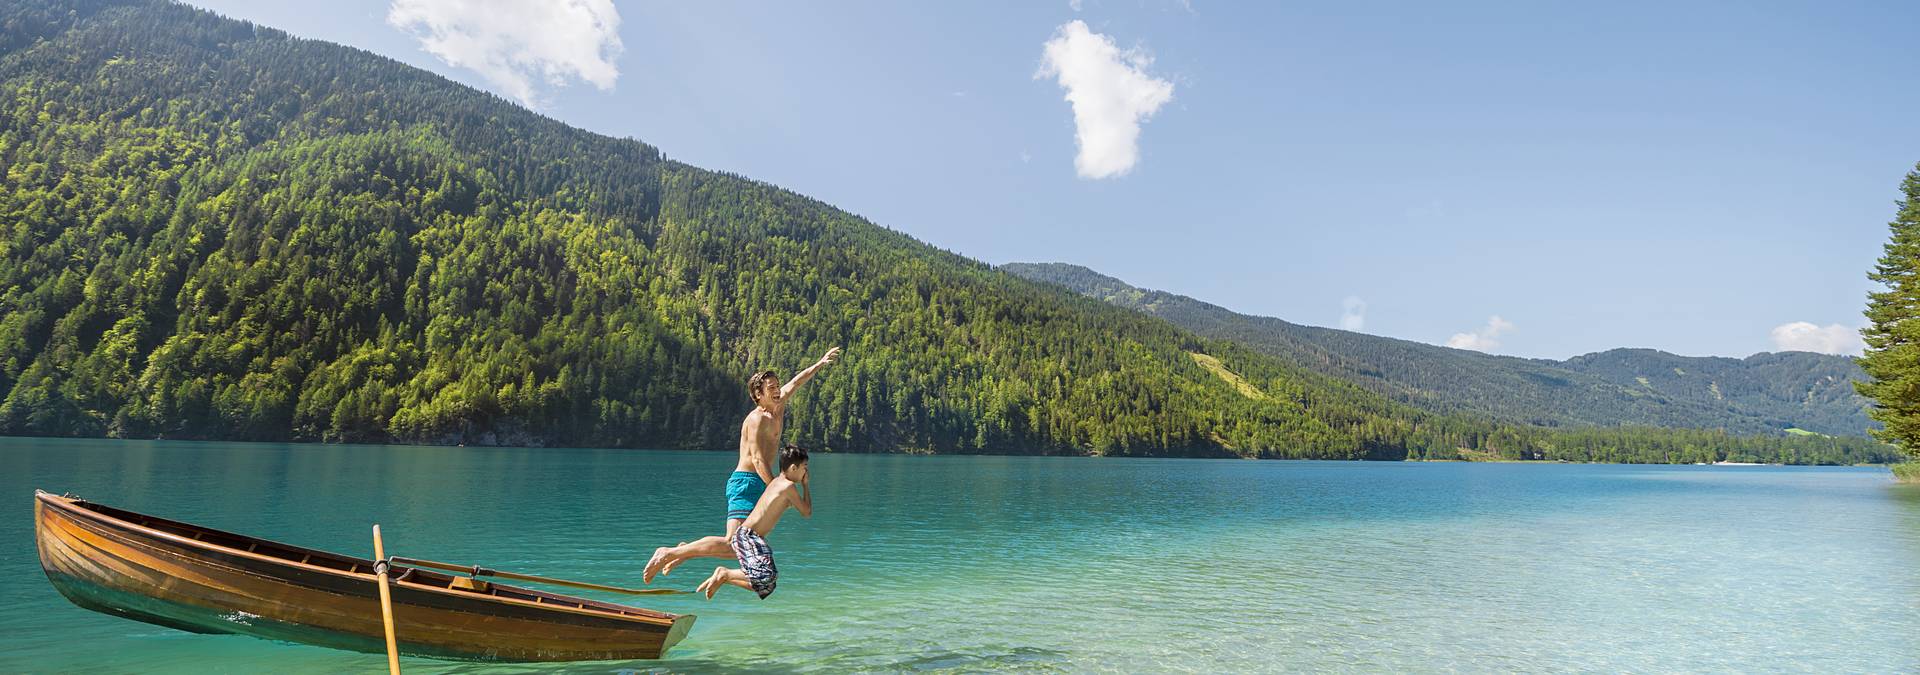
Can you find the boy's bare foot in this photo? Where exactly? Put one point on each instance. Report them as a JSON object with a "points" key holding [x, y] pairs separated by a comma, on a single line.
{"points": [[712, 584], [668, 569], [653, 564]]}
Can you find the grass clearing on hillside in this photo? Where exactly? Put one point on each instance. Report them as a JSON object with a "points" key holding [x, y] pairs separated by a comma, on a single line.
{"points": [[1246, 388]]}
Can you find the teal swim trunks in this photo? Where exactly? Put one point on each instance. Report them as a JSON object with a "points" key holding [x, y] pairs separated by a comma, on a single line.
{"points": [[743, 491]]}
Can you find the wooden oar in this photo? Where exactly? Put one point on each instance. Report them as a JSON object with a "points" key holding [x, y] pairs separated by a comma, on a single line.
{"points": [[386, 603], [479, 571]]}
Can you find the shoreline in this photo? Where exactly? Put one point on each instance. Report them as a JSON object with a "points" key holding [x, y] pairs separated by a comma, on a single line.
{"points": [[1910, 475], [1907, 473]]}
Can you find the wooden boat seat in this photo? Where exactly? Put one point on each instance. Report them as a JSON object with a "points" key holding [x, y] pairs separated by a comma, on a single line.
{"points": [[469, 584]]}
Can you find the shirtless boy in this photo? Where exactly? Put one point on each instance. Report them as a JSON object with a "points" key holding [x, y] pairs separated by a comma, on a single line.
{"points": [[759, 443], [749, 541]]}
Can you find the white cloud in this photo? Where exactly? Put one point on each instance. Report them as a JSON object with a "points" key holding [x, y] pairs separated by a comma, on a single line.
{"points": [[518, 44], [1353, 313], [1484, 340], [1111, 94], [1075, 4], [1801, 336]]}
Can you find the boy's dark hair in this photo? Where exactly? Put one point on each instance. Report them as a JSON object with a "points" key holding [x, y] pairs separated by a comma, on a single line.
{"points": [[791, 455], [759, 380]]}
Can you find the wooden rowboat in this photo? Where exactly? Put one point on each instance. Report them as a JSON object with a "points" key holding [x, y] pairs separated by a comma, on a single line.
{"points": [[202, 580]]}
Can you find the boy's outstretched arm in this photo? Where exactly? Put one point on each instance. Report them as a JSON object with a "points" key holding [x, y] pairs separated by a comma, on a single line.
{"points": [[804, 375]]}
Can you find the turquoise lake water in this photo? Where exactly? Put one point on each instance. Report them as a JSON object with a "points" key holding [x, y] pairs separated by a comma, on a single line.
{"points": [[1058, 564]]}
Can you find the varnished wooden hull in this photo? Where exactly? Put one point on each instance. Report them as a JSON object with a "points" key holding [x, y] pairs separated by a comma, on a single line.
{"points": [[206, 581]]}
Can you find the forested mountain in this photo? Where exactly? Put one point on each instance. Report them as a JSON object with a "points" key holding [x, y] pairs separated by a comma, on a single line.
{"points": [[1764, 393], [1804, 390], [216, 230]]}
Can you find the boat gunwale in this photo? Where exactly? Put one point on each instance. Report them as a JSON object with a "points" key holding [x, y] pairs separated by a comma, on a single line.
{"points": [[71, 507]]}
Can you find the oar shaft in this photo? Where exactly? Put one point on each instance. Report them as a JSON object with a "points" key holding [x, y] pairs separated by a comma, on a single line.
{"points": [[479, 571], [386, 604], [583, 584]]}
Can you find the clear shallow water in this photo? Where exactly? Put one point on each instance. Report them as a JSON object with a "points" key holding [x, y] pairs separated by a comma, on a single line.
{"points": [[1058, 564]]}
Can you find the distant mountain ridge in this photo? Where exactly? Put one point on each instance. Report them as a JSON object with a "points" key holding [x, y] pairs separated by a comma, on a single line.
{"points": [[1763, 393]]}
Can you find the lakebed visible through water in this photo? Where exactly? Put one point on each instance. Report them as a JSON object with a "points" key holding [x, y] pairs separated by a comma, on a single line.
{"points": [[1058, 564]]}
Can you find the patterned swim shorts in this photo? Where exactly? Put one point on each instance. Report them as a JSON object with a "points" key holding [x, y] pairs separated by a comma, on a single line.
{"points": [[756, 560]]}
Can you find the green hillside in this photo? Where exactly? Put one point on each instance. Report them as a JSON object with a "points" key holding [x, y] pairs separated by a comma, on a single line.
{"points": [[1764, 393], [220, 231], [215, 230], [1813, 392]]}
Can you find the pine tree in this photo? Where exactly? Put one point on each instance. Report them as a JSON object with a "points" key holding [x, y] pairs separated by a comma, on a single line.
{"points": [[1893, 338]]}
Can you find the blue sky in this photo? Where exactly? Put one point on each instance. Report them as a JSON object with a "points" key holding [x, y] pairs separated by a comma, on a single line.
{"points": [[1704, 178]]}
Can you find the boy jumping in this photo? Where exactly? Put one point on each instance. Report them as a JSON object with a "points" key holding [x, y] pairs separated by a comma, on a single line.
{"points": [[759, 441], [749, 541]]}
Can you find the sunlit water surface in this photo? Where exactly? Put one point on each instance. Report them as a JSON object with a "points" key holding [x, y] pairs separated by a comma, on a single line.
{"points": [[1057, 564]]}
